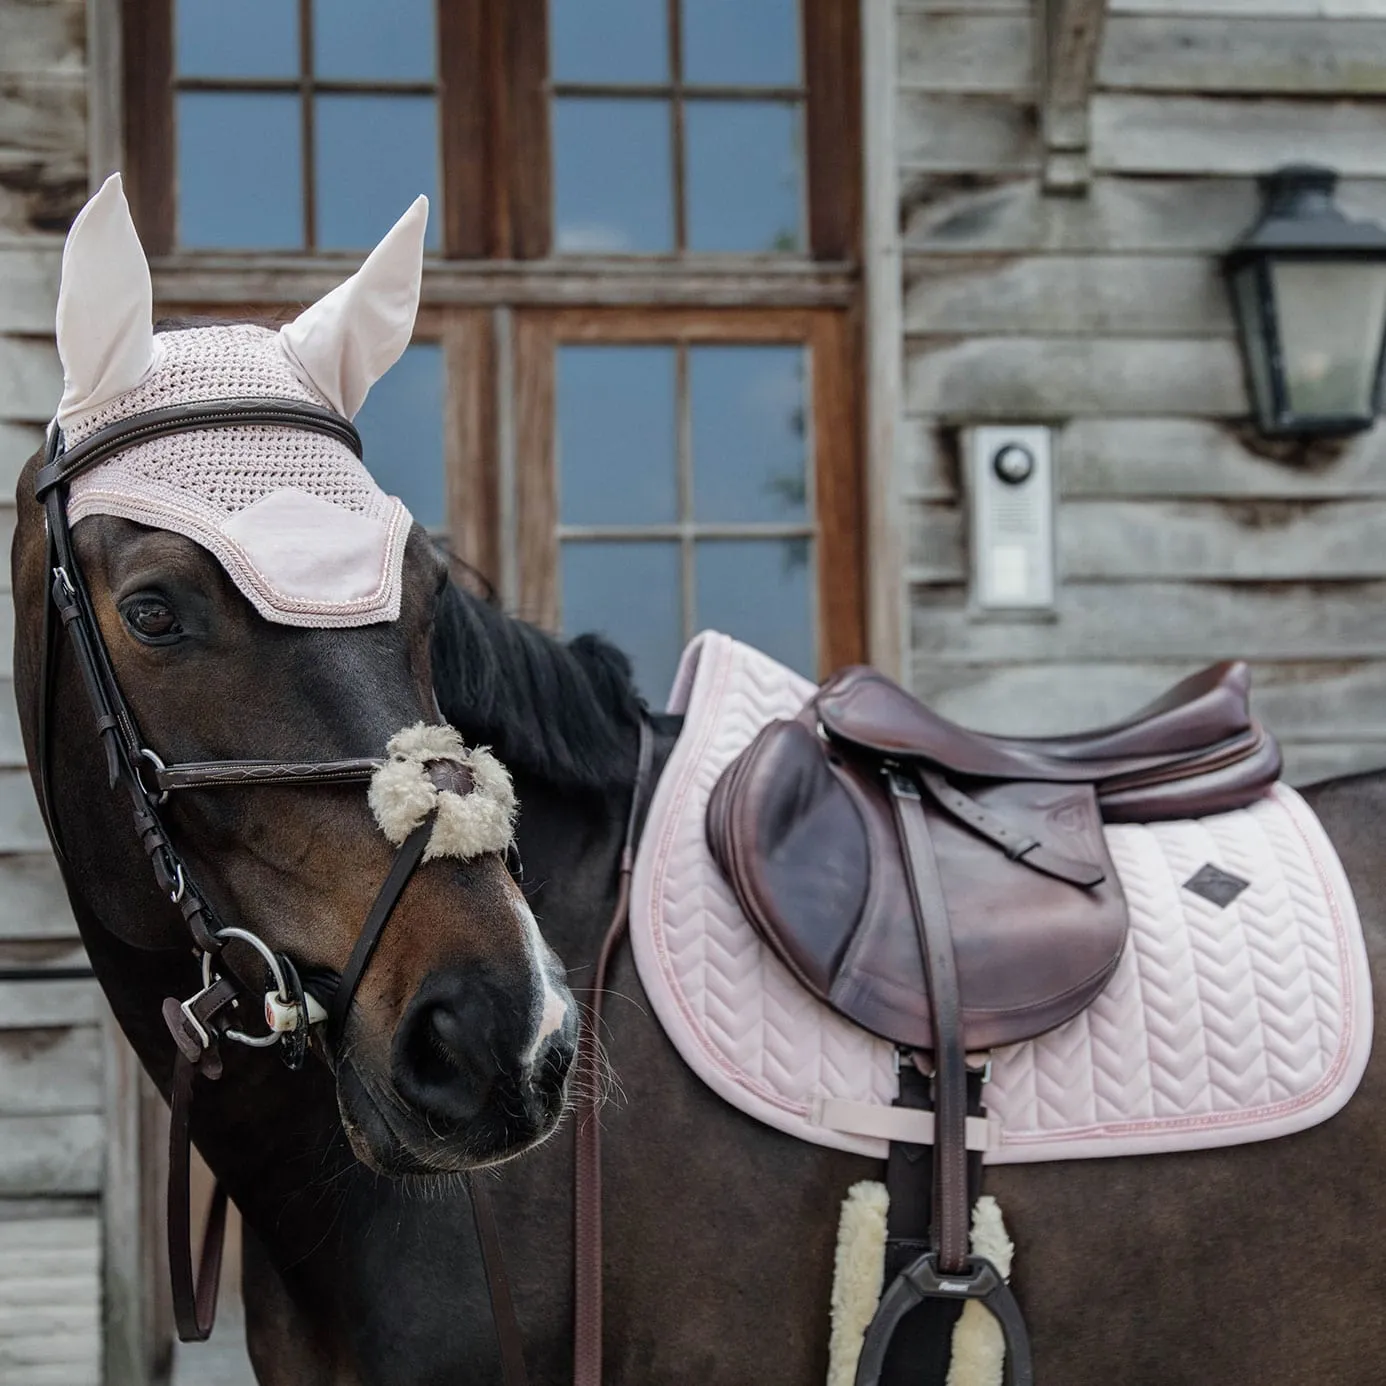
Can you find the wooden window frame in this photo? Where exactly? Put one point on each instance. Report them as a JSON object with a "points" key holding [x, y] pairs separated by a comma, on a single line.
{"points": [[499, 300], [494, 95]]}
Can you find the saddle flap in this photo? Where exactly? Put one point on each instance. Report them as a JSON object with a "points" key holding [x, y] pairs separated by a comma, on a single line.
{"points": [[804, 833]]}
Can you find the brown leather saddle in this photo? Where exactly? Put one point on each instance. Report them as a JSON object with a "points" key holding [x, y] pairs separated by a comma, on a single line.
{"points": [[952, 891]]}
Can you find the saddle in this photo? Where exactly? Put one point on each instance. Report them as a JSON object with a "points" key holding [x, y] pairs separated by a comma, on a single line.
{"points": [[952, 892]]}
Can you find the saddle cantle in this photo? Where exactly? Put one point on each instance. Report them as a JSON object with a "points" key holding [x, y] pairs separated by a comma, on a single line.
{"points": [[804, 826]]}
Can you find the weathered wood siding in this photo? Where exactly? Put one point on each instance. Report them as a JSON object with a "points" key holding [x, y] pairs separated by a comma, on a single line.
{"points": [[51, 1050], [1181, 537]]}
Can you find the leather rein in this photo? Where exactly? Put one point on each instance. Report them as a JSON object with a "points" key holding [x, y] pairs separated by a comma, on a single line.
{"points": [[206, 1020]]}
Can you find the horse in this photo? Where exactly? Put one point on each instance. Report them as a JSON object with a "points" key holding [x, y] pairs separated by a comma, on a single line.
{"points": [[361, 1264]]}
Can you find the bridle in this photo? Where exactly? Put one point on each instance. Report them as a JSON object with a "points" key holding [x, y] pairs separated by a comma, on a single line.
{"points": [[203, 1022]]}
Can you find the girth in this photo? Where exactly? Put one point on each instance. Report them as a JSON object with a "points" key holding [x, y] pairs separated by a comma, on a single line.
{"points": [[201, 1024]]}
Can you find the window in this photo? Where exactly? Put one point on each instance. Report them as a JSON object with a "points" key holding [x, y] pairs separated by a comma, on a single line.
{"points": [[632, 398], [327, 111], [677, 128]]}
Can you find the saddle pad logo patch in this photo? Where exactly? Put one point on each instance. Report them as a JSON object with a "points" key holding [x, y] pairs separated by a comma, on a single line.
{"points": [[1216, 885]]}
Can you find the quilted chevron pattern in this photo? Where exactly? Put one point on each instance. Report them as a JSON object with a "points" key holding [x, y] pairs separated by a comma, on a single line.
{"points": [[1220, 1025]]}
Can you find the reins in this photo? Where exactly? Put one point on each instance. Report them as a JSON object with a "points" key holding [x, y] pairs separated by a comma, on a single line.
{"points": [[587, 1139]]}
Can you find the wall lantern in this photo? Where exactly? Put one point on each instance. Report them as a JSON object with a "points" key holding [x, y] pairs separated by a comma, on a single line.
{"points": [[1309, 287]]}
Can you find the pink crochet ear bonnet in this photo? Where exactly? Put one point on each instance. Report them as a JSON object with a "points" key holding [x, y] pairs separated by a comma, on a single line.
{"points": [[293, 516]]}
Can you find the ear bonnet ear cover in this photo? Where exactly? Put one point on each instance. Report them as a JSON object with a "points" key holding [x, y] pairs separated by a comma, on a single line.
{"points": [[293, 516]]}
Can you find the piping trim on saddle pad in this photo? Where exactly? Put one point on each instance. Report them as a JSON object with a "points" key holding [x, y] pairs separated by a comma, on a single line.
{"points": [[1222, 1024]]}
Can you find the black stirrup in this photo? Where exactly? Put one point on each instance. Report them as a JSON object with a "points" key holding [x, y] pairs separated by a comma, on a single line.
{"points": [[922, 1280]]}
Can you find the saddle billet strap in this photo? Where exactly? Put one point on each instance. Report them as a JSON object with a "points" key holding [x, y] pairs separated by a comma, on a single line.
{"points": [[945, 1271], [587, 1140], [106, 442], [949, 1232], [1019, 846]]}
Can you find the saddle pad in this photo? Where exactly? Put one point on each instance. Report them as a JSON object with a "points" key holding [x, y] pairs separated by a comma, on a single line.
{"points": [[1222, 1023]]}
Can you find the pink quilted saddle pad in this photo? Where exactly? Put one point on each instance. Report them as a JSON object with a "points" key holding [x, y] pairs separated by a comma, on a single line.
{"points": [[1222, 1023]]}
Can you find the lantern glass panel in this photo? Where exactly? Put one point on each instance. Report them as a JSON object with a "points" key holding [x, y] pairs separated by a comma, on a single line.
{"points": [[1256, 337], [1331, 316]]}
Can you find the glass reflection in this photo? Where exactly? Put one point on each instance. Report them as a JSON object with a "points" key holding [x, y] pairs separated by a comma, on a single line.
{"points": [[240, 171], [375, 155], [629, 592], [616, 463], [749, 425], [367, 40], [744, 176], [1329, 317], [760, 591], [741, 42], [613, 191], [401, 426], [252, 38], [608, 41]]}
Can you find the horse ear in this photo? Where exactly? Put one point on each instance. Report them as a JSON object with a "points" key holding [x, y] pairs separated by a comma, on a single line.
{"points": [[350, 337], [105, 305]]}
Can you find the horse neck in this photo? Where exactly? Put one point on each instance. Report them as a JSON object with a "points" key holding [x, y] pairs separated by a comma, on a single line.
{"points": [[565, 719]]}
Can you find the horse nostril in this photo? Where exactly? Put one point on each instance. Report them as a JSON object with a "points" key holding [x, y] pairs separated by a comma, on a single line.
{"points": [[449, 1032], [462, 1059], [444, 1062]]}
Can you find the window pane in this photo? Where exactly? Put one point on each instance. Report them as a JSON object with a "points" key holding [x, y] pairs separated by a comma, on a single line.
{"points": [[616, 435], [743, 176], [608, 41], [743, 42], [629, 592], [240, 170], [375, 155], [250, 38], [401, 426], [749, 445], [760, 591], [613, 191], [367, 39]]}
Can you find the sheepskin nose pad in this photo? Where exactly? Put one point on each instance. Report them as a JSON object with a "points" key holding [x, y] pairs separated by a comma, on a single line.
{"points": [[450, 775]]}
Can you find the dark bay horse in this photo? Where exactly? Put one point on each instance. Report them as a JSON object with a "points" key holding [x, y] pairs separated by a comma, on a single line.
{"points": [[1263, 1261]]}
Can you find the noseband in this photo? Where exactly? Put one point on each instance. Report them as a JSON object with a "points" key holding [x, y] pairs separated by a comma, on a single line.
{"points": [[202, 1022]]}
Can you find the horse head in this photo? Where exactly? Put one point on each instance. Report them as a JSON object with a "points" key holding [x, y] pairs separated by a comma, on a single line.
{"points": [[256, 597]]}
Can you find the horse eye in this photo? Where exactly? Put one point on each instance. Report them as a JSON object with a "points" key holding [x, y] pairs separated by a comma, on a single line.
{"points": [[150, 618]]}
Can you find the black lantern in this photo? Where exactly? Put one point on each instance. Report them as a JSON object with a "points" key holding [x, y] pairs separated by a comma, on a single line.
{"points": [[1309, 287]]}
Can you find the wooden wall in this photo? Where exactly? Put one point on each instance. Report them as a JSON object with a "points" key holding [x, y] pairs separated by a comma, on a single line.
{"points": [[1182, 538], [51, 1048]]}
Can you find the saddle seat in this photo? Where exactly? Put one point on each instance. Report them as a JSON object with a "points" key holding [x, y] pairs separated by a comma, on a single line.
{"points": [[1162, 762]]}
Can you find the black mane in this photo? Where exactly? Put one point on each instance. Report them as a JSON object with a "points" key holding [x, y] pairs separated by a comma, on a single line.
{"points": [[560, 712]]}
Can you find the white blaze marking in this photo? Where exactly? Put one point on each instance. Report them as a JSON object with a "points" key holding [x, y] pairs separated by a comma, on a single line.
{"points": [[552, 1008]]}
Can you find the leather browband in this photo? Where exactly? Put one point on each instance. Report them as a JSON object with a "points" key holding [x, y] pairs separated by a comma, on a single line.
{"points": [[188, 418], [228, 774]]}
